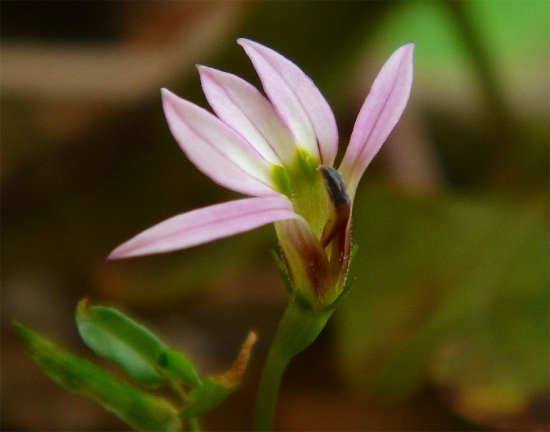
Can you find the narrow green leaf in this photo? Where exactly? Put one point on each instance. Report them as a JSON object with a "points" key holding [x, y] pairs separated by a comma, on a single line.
{"points": [[116, 337], [138, 409], [178, 368]]}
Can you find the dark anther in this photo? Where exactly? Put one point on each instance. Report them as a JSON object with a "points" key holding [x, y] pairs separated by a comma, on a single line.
{"points": [[335, 186], [341, 206]]}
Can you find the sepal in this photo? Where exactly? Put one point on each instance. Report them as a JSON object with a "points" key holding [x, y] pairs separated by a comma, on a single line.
{"points": [[348, 284], [283, 271], [305, 260]]}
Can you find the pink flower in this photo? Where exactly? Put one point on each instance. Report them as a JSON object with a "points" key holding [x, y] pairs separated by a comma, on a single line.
{"points": [[279, 150]]}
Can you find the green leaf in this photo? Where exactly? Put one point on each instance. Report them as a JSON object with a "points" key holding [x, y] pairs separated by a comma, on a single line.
{"points": [[116, 337], [138, 409], [178, 368]]}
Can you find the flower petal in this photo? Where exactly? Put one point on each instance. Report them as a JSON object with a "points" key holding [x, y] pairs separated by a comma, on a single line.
{"points": [[216, 149], [205, 225], [298, 101], [242, 107], [379, 114]]}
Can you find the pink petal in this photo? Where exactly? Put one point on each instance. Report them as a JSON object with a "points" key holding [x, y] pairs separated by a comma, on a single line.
{"points": [[242, 107], [205, 225], [378, 116], [298, 101], [216, 149]]}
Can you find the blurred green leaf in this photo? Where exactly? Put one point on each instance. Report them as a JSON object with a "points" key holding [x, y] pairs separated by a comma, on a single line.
{"points": [[114, 336], [453, 290], [178, 368], [137, 408], [516, 32]]}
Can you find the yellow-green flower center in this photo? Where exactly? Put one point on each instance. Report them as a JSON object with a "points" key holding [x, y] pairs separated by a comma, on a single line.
{"points": [[303, 184]]}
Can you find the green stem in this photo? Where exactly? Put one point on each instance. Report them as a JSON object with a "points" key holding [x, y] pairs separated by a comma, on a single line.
{"points": [[267, 394], [297, 330]]}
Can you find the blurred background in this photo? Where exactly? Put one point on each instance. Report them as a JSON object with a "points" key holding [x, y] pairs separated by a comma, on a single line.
{"points": [[447, 325]]}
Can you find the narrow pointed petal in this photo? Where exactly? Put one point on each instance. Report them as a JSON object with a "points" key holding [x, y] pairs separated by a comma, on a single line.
{"points": [[297, 100], [378, 116], [205, 225], [215, 149], [242, 107]]}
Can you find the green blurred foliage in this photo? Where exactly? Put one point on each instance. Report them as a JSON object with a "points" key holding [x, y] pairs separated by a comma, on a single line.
{"points": [[452, 291]]}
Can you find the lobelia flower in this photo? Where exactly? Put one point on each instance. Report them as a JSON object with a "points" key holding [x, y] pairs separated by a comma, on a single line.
{"points": [[280, 150]]}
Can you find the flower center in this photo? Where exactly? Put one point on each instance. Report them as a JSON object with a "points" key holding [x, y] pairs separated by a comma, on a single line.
{"points": [[304, 183]]}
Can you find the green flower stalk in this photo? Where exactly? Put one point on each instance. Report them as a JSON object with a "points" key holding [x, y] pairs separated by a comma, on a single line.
{"points": [[280, 150]]}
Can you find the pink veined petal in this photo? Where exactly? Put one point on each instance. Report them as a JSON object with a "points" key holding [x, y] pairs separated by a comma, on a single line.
{"points": [[379, 114], [297, 100], [242, 107], [216, 149], [205, 225]]}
